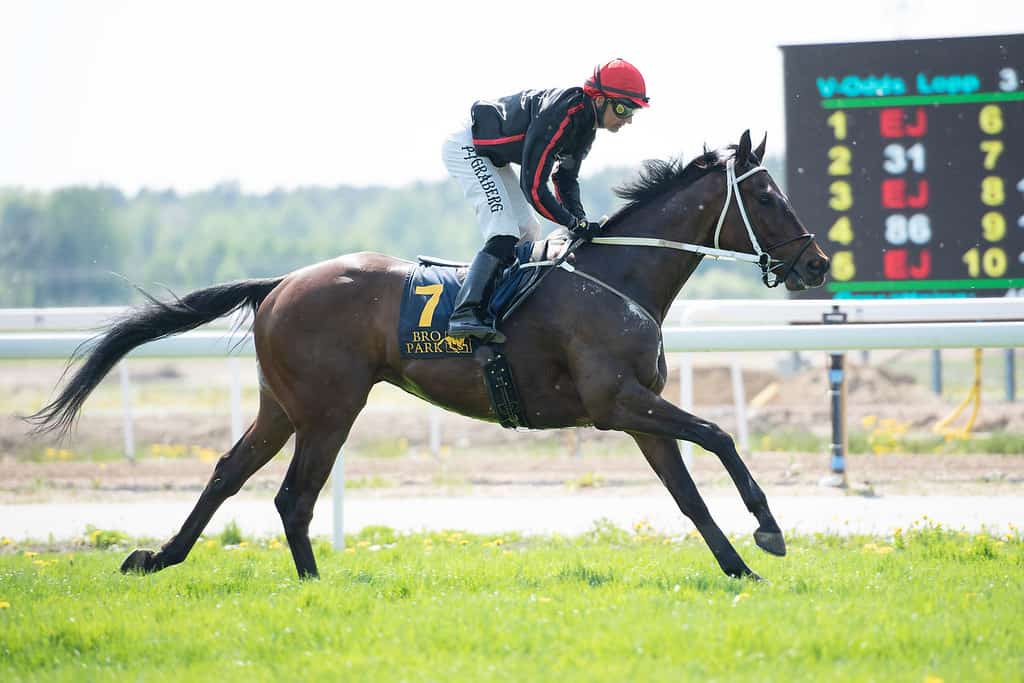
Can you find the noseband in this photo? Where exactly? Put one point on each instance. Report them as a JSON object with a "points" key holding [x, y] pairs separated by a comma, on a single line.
{"points": [[764, 259]]}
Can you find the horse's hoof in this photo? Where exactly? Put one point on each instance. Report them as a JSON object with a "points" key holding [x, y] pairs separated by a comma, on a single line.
{"points": [[139, 562], [771, 542], [754, 576]]}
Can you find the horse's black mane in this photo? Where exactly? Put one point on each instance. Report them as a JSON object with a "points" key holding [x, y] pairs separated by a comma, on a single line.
{"points": [[659, 176]]}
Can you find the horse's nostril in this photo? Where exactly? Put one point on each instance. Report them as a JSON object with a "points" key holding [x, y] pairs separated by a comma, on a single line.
{"points": [[818, 266]]}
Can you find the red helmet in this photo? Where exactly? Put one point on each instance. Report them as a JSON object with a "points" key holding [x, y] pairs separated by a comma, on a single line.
{"points": [[618, 79]]}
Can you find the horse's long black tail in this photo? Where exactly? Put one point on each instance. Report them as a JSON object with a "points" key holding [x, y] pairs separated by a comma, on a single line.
{"points": [[152, 320]]}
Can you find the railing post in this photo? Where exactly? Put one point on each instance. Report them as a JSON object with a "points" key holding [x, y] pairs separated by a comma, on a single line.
{"points": [[837, 399], [937, 372], [434, 437], [686, 399], [740, 402], [236, 399], [1011, 375], [338, 501], [126, 410]]}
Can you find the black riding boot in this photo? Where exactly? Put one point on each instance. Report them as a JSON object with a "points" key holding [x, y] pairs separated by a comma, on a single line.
{"points": [[469, 317]]}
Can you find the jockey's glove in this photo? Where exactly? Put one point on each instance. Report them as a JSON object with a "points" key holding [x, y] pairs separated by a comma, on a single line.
{"points": [[586, 230]]}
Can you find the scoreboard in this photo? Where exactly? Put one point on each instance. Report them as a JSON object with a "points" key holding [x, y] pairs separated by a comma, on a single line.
{"points": [[906, 158]]}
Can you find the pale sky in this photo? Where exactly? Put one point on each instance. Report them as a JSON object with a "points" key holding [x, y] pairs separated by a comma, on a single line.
{"points": [[186, 94]]}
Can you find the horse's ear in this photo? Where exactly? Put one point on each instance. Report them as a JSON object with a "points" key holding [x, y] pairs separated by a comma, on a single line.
{"points": [[743, 150], [759, 152]]}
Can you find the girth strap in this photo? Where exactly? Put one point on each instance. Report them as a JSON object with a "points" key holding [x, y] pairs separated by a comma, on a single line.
{"points": [[501, 389]]}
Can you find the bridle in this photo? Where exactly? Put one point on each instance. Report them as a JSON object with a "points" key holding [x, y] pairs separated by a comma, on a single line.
{"points": [[762, 257]]}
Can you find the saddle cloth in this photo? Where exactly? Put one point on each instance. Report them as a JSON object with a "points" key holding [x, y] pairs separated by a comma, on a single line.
{"points": [[427, 303], [431, 287]]}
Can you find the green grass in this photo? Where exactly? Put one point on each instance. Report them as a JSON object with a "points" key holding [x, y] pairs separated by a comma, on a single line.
{"points": [[864, 443], [958, 373], [609, 605]]}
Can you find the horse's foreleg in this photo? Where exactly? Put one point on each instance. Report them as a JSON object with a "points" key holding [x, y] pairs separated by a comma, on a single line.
{"points": [[258, 445], [663, 456], [638, 409]]}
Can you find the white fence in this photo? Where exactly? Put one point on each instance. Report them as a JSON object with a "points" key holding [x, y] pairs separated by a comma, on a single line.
{"points": [[775, 332], [953, 324]]}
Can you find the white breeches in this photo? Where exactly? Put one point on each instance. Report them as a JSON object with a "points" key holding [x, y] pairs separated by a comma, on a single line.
{"points": [[501, 208]]}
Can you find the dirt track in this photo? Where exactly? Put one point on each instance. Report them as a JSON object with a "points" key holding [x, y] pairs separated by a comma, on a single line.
{"points": [[387, 453], [778, 474]]}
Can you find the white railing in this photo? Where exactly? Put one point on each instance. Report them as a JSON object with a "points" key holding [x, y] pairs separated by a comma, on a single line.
{"points": [[83, 318], [781, 311], [691, 313], [683, 311]]}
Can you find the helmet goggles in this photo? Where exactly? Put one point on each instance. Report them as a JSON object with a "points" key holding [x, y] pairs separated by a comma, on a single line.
{"points": [[623, 109]]}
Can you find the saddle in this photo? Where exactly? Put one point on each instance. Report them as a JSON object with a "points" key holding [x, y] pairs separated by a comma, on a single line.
{"points": [[521, 277]]}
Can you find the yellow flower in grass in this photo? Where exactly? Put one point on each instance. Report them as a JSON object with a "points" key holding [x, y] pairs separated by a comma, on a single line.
{"points": [[274, 544], [4, 604], [30, 553], [880, 549], [5, 541], [204, 454], [740, 598], [932, 679], [642, 526], [350, 551]]}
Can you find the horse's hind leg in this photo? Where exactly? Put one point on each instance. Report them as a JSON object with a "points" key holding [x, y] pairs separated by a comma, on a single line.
{"points": [[318, 440], [264, 438]]}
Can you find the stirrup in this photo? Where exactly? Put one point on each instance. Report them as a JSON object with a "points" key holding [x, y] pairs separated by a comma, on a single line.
{"points": [[487, 334]]}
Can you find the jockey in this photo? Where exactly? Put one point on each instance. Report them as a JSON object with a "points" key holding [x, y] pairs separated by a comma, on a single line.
{"points": [[541, 131]]}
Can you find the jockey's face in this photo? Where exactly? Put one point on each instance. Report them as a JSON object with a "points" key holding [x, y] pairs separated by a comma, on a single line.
{"points": [[610, 121]]}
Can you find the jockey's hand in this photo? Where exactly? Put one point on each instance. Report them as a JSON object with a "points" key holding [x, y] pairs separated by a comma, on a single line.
{"points": [[586, 230]]}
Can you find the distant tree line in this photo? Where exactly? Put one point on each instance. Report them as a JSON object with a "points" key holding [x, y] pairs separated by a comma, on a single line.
{"points": [[87, 245]]}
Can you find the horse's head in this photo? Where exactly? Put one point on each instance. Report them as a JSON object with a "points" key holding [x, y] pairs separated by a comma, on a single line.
{"points": [[761, 220]]}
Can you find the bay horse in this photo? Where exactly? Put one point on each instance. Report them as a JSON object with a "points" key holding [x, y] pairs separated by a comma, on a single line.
{"points": [[586, 350]]}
